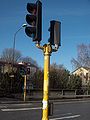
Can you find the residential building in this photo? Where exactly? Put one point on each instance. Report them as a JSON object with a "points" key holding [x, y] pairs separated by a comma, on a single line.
{"points": [[84, 73], [22, 67]]}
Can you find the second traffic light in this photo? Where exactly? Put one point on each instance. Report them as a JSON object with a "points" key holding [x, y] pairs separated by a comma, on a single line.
{"points": [[55, 33], [34, 19], [28, 71]]}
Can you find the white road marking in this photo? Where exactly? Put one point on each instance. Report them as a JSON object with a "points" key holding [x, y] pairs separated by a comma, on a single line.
{"points": [[3, 106], [66, 117], [20, 109], [66, 114], [27, 104], [63, 114], [13, 105]]}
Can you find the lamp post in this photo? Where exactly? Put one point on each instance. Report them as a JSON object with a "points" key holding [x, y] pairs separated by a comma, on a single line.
{"points": [[24, 25]]}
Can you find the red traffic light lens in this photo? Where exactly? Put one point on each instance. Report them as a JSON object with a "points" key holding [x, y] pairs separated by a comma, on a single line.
{"points": [[31, 8]]}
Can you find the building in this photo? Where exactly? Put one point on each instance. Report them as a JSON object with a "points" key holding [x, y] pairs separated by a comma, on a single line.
{"points": [[84, 73], [22, 67], [8, 67]]}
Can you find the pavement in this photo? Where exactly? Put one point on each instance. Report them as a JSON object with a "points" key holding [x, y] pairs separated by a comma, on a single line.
{"points": [[6, 100]]}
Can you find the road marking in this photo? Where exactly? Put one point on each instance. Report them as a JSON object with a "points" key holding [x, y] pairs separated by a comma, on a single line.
{"points": [[61, 118], [63, 114], [14, 105], [20, 109], [3, 106], [66, 114], [27, 104]]}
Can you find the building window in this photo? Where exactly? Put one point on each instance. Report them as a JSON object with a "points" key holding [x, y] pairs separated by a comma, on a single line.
{"points": [[86, 76]]}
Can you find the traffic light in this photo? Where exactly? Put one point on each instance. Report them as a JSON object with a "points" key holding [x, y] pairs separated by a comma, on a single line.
{"points": [[22, 70], [28, 71], [34, 19], [55, 33]]}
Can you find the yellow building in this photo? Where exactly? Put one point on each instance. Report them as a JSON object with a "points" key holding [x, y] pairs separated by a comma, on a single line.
{"points": [[84, 73]]}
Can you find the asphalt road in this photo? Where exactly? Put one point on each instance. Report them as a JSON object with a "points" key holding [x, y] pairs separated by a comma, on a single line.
{"points": [[74, 110]]}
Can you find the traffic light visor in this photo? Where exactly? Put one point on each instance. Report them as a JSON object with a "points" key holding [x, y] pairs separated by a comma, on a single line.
{"points": [[32, 8], [30, 31], [31, 19]]}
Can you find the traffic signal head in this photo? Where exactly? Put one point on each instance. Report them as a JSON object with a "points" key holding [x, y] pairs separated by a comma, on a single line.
{"points": [[55, 33], [22, 70], [34, 19], [28, 71]]}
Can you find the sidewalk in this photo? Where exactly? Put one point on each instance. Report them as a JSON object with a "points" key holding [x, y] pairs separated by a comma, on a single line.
{"points": [[5, 100]]}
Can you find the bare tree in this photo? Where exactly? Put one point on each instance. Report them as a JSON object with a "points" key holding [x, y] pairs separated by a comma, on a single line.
{"points": [[7, 55], [29, 60], [83, 56]]}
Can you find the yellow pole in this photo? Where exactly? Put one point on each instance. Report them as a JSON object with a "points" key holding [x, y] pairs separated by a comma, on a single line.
{"points": [[25, 87], [47, 52]]}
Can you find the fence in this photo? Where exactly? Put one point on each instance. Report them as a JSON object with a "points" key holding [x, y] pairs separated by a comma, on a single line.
{"points": [[57, 94], [53, 94]]}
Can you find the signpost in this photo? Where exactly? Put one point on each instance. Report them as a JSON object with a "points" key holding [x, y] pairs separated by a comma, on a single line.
{"points": [[25, 78]]}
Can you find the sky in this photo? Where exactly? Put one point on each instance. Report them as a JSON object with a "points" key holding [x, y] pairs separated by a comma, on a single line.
{"points": [[74, 16]]}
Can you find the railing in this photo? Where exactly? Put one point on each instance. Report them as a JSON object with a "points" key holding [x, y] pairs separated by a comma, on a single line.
{"points": [[53, 94]]}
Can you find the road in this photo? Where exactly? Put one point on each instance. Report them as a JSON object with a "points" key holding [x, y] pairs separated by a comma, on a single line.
{"points": [[74, 110]]}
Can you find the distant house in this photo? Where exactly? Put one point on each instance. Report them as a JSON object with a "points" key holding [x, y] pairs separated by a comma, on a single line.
{"points": [[84, 73], [23, 68], [8, 67], [31, 69]]}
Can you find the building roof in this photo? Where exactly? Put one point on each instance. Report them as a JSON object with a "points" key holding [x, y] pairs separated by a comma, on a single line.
{"points": [[18, 64], [86, 68]]}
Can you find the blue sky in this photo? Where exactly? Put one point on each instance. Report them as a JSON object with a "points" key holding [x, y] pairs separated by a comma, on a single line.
{"points": [[75, 28]]}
